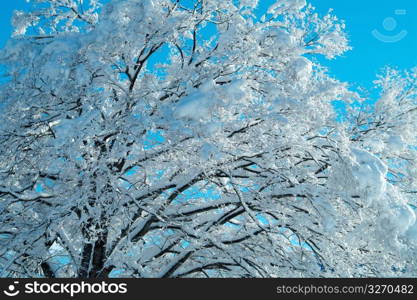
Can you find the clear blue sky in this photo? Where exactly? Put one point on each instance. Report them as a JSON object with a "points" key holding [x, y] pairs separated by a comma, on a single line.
{"points": [[370, 24]]}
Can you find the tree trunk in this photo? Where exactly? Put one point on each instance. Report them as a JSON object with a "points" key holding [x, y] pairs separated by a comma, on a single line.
{"points": [[47, 271], [94, 258]]}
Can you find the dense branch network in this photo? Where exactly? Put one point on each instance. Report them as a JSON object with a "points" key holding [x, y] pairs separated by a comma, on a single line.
{"points": [[198, 139]]}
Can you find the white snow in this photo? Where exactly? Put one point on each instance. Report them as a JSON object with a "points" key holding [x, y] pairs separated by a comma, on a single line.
{"points": [[395, 217], [280, 6], [283, 39], [411, 233], [21, 21], [369, 172], [198, 105], [208, 151], [396, 222], [405, 217], [301, 68], [387, 100], [235, 90], [395, 143], [249, 3]]}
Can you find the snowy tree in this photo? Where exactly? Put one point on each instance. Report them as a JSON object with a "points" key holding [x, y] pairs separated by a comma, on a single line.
{"points": [[174, 138]]}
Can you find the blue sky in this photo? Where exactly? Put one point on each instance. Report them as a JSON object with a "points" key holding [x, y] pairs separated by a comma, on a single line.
{"points": [[370, 24]]}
